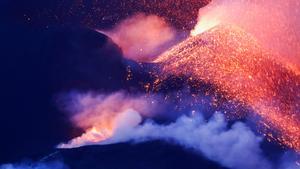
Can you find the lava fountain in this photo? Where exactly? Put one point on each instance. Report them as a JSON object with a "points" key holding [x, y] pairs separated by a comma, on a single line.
{"points": [[235, 61]]}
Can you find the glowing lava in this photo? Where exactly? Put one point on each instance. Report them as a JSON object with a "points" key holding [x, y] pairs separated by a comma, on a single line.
{"points": [[227, 56], [92, 135]]}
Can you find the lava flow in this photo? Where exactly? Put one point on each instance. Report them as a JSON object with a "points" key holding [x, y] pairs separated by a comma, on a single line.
{"points": [[234, 60]]}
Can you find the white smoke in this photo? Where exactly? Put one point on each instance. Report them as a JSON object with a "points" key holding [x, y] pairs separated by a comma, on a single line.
{"points": [[236, 148]]}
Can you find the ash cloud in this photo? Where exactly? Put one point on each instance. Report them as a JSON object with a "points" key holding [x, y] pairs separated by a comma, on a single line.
{"points": [[142, 37]]}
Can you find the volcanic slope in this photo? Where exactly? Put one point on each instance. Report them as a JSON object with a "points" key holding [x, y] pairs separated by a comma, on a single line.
{"points": [[153, 154], [239, 66]]}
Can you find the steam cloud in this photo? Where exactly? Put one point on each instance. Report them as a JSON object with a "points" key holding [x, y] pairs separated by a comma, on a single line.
{"points": [[273, 22], [142, 37]]}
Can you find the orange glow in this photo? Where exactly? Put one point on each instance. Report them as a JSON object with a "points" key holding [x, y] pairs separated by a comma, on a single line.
{"points": [[95, 134], [204, 25], [102, 116], [236, 62]]}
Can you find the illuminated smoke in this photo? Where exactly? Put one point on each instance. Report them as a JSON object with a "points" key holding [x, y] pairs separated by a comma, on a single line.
{"points": [[142, 37], [235, 61], [99, 115], [274, 23]]}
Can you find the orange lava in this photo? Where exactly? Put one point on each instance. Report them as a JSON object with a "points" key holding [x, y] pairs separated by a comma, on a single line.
{"points": [[95, 134], [227, 56]]}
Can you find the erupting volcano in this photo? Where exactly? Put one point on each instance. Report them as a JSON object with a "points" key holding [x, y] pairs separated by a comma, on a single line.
{"points": [[153, 80]]}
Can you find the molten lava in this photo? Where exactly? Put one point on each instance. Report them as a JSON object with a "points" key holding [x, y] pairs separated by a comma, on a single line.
{"points": [[93, 135], [227, 56]]}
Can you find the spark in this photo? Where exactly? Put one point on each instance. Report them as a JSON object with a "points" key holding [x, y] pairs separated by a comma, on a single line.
{"points": [[235, 61]]}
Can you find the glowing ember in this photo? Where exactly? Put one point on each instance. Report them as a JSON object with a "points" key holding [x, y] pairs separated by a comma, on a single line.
{"points": [[234, 61]]}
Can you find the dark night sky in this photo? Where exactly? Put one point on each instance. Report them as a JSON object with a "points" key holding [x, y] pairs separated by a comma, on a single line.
{"points": [[37, 64], [97, 13]]}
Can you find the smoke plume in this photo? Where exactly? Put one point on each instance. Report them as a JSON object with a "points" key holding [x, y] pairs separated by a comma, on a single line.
{"points": [[236, 148], [142, 37]]}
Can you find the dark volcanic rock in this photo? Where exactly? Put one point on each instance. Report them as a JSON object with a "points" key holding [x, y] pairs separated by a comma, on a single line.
{"points": [[148, 155]]}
